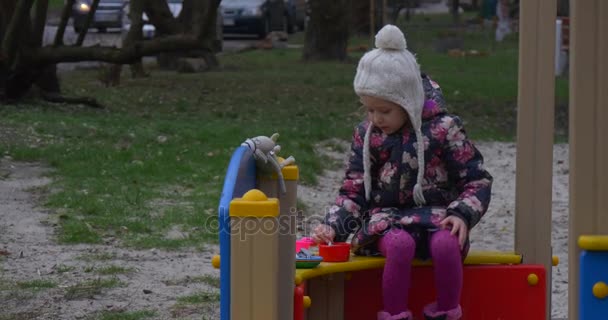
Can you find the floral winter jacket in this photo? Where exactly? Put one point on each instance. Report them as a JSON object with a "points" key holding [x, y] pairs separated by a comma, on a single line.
{"points": [[455, 181]]}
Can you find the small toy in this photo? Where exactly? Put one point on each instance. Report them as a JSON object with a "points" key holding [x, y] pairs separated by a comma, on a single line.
{"points": [[305, 243], [335, 252], [306, 260], [265, 152]]}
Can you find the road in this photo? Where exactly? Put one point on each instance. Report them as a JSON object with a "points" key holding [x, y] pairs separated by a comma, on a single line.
{"points": [[114, 38]]}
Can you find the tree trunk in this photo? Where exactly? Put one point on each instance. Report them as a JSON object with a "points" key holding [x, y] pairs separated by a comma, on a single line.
{"points": [[328, 31], [455, 9], [65, 16], [47, 80], [112, 76], [198, 18], [24, 62], [87, 23]]}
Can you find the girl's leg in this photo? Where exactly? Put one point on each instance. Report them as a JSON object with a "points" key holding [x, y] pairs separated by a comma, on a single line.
{"points": [[398, 247], [447, 262]]}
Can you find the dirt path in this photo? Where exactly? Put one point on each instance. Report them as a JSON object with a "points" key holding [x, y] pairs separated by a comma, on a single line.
{"points": [[40, 279]]}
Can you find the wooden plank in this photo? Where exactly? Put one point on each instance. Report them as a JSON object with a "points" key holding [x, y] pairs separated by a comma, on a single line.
{"points": [[264, 265], [317, 291], [327, 294], [588, 131], [335, 310], [240, 274], [535, 126], [287, 237]]}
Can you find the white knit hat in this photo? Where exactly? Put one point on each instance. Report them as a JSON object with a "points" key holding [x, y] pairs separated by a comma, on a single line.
{"points": [[391, 72]]}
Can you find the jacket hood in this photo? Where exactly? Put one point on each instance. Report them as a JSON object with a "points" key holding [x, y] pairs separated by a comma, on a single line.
{"points": [[434, 103]]}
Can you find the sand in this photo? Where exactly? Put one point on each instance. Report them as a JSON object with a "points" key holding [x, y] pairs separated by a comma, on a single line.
{"points": [[160, 277], [496, 229]]}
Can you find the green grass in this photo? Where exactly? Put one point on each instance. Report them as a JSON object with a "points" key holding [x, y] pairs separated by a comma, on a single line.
{"points": [[36, 285], [210, 280], [64, 268], [202, 302], [123, 315], [213, 281], [155, 159]]}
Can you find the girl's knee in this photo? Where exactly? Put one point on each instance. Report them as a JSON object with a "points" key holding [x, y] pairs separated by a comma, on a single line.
{"points": [[398, 242], [443, 242]]}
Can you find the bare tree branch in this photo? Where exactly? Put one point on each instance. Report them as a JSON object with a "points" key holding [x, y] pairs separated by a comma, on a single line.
{"points": [[161, 17], [65, 16], [87, 23], [39, 21], [136, 9], [57, 98], [204, 18], [44, 56]]}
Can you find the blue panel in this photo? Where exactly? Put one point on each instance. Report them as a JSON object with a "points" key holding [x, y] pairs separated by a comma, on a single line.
{"points": [[593, 269], [240, 178]]}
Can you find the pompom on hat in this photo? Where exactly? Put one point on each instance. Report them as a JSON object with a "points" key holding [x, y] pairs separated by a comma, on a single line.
{"points": [[391, 72]]}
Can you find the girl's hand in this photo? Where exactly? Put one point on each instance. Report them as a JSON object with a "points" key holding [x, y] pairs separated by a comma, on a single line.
{"points": [[459, 227], [323, 233]]}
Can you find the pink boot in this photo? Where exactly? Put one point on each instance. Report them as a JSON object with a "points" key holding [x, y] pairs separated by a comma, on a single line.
{"points": [[406, 315], [431, 313]]}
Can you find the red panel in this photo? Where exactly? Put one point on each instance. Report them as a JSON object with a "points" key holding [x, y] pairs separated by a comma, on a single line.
{"points": [[490, 292], [298, 303]]}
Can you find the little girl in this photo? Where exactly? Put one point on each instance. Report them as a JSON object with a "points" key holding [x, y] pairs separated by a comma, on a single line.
{"points": [[396, 209]]}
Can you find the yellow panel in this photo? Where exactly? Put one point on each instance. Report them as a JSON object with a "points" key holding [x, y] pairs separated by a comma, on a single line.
{"points": [[357, 263], [289, 173], [254, 203], [593, 243]]}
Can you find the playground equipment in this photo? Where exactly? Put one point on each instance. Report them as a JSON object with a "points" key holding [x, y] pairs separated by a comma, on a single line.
{"points": [[259, 279], [588, 191]]}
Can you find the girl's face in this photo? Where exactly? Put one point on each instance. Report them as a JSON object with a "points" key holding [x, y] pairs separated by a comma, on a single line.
{"points": [[384, 114]]}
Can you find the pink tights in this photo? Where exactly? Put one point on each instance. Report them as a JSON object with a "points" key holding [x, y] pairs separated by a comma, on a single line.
{"points": [[398, 247]]}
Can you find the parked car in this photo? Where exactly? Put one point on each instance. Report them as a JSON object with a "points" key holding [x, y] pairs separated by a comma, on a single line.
{"points": [[108, 14], [254, 16]]}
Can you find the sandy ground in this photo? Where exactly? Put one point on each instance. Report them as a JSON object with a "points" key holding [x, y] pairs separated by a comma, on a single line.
{"points": [[496, 230], [157, 278], [160, 277]]}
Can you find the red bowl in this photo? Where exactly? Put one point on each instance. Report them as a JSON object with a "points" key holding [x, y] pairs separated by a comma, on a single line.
{"points": [[336, 252]]}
